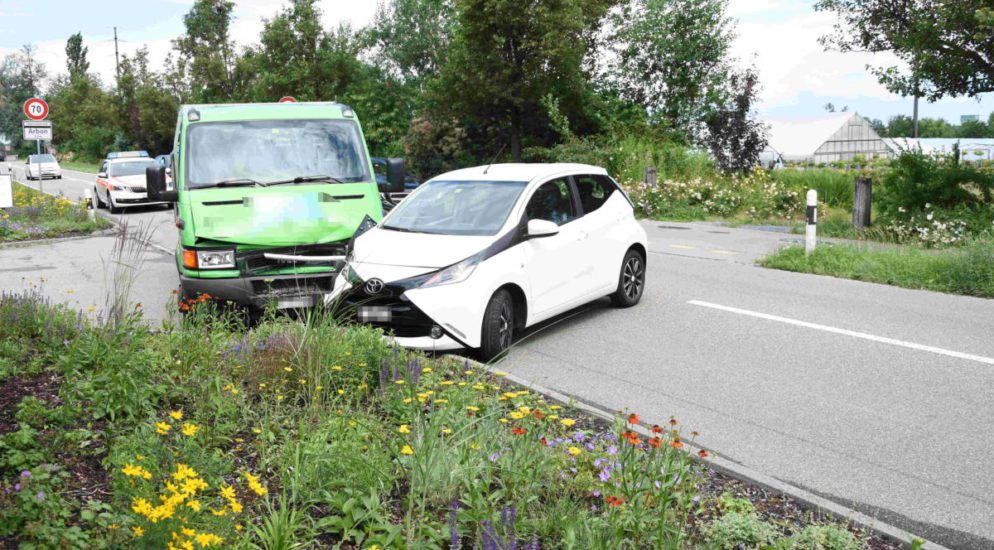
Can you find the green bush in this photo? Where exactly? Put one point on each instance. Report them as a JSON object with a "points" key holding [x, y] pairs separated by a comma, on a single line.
{"points": [[835, 187], [824, 537], [916, 182], [739, 531]]}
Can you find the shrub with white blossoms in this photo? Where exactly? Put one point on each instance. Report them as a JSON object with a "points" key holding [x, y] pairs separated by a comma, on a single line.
{"points": [[929, 227]]}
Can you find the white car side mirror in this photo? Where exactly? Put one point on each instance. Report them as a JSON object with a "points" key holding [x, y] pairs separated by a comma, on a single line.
{"points": [[542, 228], [102, 175]]}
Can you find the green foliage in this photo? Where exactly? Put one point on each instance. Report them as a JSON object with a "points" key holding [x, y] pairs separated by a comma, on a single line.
{"points": [[916, 180], [967, 270], [739, 530], [824, 537], [413, 37], [835, 187], [672, 58], [206, 57], [944, 45], [36, 215]]}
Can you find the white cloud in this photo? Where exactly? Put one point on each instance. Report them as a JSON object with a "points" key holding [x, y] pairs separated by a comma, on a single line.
{"points": [[791, 61]]}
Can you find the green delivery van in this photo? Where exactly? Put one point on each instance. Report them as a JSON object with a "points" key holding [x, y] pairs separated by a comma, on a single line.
{"points": [[267, 197]]}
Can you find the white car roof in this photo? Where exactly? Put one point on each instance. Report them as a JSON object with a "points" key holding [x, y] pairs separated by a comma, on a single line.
{"points": [[520, 171]]}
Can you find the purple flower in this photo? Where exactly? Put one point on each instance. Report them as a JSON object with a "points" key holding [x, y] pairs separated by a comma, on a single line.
{"points": [[26, 473], [598, 462], [17, 487], [597, 493], [453, 526], [579, 437], [605, 474], [494, 457], [40, 495], [612, 450]]}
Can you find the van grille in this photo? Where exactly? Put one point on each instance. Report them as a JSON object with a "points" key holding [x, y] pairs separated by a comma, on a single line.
{"points": [[255, 261]]}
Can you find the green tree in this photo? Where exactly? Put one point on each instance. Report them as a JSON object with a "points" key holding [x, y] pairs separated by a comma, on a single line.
{"points": [[147, 111], [946, 45], [205, 55], [505, 58], [901, 126], [973, 129], [293, 57], [734, 136], [413, 36], [935, 128], [20, 77], [671, 57], [76, 61]]}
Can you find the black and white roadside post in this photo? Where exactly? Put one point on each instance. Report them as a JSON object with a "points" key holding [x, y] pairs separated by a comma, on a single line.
{"points": [[90, 211], [811, 229]]}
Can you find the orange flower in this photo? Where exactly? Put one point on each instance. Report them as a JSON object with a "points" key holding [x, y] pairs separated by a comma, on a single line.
{"points": [[633, 419], [544, 442], [518, 431], [702, 453], [657, 429], [677, 444], [615, 501], [183, 306], [538, 414], [655, 442], [631, 437]]}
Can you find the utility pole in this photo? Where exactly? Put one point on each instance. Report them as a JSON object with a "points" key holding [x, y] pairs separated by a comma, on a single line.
{"points": [[916, 115], [117, 60]]}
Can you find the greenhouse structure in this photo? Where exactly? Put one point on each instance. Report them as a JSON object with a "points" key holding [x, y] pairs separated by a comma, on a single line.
{"points": [[836, 137]]}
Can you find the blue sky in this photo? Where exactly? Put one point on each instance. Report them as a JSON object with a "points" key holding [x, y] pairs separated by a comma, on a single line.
{"points": [[778, 36]]}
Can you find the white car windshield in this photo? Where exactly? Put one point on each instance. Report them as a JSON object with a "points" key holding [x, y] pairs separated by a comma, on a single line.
{"points": [[268, 151], [134, 168], [456, 208], [33, 159]]}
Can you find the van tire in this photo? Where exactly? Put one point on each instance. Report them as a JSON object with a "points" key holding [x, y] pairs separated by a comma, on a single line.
{"points": [[498, 326]]}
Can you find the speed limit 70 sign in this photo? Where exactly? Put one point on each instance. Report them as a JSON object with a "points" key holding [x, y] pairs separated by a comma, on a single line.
{"points": [[36, 108]]}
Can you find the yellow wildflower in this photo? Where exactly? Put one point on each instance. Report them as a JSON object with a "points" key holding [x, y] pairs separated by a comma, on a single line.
{"points": [[190, 429], [407, 450], [424, 370], [176, 415], [472, 408], [336, 368], [162, 428], [288, 369], [568, 422], [516, 415], [404, 429], [138, 531], [399, 382], [446, 382], [254, 484], [573, 451]]}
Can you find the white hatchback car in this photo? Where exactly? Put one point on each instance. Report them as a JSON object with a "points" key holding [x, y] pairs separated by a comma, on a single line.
{"points": [[121, 183], [474, 255], [38, 167]]}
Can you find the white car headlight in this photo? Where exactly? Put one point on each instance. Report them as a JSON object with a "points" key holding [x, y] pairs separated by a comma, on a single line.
{"points": [[118, 187], [350, 275], [456, 273], [216, 259]]}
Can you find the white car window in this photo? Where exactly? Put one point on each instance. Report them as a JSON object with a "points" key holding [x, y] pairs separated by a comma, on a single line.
{"points": [[553, 201]]}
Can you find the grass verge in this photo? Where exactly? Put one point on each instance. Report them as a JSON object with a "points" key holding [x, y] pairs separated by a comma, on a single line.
{"points": [[966, 270], [78, 166], [314, 435], [36, 215]]}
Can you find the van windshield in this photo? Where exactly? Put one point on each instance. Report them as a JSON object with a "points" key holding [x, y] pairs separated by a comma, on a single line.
{"points": [[274, 150], [456, 208]]}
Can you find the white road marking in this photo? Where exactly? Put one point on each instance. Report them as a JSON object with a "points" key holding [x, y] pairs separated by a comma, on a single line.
{"points": [[726, 252], [682, 246], [845, 332]]}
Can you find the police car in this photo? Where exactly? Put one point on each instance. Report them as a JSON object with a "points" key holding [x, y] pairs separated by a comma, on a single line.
{"points": [[121, 181]]}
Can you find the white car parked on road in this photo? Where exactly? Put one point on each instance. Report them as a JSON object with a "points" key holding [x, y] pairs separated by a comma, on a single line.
{"points": [[42, 166], [474, 255], [121, 183]]}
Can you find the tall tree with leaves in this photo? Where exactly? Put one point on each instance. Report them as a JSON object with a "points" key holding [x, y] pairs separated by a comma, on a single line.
{"points": [[947, 46], [21, 76], [206, 56], [147, 111], [734, 135], [505, 57], [671, 57], [413, 36], [76, 61]]}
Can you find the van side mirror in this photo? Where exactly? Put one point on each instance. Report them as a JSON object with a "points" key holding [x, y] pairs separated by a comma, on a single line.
{"points": [[395, 175], [155, 185]]}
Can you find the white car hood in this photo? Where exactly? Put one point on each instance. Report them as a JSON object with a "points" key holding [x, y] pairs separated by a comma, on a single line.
{"points": [[423, 250], [129, 181]]}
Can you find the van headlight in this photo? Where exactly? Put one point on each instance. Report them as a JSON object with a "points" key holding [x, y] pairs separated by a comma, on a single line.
{"points": [[455, 273], [216, 259]]}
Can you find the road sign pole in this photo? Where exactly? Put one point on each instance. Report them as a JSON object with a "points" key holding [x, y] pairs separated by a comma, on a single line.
{"points": [[811, 229]]}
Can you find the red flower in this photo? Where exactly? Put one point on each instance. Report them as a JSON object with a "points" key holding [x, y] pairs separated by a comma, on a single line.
{"points": [[631, 437], [183, 306], [615, 501], [518, 431], [544, 441], [702, 453], [633, 419], [538, 414], [655, 442], [672, 421], [657, 429]]}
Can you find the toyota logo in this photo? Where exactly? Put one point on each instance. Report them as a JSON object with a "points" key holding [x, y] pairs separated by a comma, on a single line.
{"points": [[374, 286]]}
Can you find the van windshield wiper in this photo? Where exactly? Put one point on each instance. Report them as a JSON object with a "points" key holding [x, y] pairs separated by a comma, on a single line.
{"points": [[239, 182], [307, 179]]}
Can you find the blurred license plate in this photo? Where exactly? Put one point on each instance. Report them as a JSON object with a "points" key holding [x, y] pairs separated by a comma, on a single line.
{"points": [[295, 302], [374, 314]]}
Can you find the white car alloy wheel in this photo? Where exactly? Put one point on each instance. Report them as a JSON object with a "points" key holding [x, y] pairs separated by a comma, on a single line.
{"points": [[631, 282]]}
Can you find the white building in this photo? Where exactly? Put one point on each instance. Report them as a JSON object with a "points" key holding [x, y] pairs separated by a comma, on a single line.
{"points": [[835, 137]]}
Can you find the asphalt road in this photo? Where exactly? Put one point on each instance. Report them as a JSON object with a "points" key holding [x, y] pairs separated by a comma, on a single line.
{"points": [[877, 397]]}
